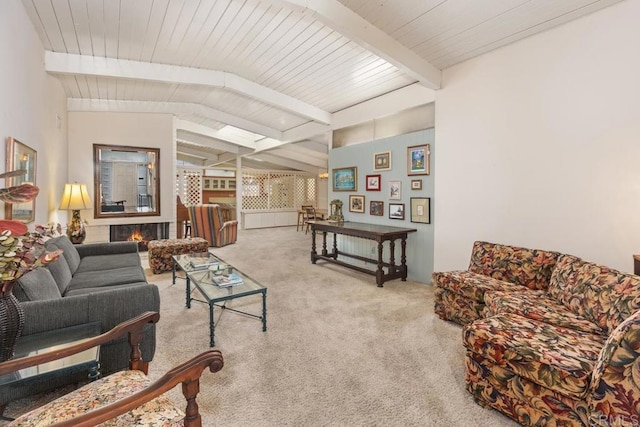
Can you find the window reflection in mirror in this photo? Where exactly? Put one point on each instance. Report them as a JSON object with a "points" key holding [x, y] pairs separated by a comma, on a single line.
{"points": [[126, 181]]}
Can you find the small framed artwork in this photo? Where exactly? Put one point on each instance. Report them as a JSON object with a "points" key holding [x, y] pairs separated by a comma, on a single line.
{"points": [[21, 165], [376, 208], [416, 184], [421, 210], [418, 159], [395, 190], [345, 179], [382, 161], [373, 182], [356, 204], [396, 210]]}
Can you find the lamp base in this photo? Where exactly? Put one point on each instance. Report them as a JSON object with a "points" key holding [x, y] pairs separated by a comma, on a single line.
{"points": [[75, 229]]}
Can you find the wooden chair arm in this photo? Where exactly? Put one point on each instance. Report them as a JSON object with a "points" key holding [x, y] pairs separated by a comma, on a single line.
{"points": [[188, 373], [133, 327]]}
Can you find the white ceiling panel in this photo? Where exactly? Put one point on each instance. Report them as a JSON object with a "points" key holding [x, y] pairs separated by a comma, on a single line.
{"points": [[269, 69]]}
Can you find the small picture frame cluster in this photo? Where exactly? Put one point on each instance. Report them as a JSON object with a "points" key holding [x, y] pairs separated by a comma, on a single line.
{"points": [[356, 204]]}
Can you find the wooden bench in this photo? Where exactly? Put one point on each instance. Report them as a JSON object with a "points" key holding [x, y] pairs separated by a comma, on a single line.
{"points": [[160, 251]]}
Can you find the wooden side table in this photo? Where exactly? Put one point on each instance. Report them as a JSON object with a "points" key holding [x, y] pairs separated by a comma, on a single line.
{"points": [[636, 265]]}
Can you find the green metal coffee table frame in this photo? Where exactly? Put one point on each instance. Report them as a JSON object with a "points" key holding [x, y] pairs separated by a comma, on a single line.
{"points": [[215, 295]]}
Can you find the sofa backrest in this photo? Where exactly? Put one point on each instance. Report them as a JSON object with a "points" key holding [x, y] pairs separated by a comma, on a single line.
{"points": [[595, 292], [69, 251], [531, 268], [36, 285]]}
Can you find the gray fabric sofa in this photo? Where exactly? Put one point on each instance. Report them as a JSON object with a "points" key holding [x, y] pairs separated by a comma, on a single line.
{"points": [[101, 282]]}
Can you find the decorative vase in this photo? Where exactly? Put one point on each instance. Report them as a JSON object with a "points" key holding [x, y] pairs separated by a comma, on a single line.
{"points": [[11, 321], [75, 229]]}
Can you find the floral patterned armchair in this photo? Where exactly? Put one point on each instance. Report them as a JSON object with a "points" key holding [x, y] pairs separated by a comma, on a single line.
{"points": [[565, 352], [124, 398]]}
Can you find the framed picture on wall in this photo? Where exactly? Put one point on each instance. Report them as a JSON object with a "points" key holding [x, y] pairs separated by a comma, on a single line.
{"points": [[395, 190], [421, 210], [418, 159], [373, 182], [356, 204], [20, 166], [382, 161], [396, 210], [376, 208], [416, 184], [345, 179]]}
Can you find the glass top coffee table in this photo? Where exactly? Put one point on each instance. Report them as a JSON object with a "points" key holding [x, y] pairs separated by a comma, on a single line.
{"points": [[205, 270]]}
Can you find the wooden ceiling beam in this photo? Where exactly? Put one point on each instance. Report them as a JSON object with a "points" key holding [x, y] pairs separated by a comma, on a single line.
{"points": [[340, 18], [65, 63]]}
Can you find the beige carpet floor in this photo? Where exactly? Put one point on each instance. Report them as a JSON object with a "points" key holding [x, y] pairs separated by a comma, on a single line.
{"points": [[338, 351]]}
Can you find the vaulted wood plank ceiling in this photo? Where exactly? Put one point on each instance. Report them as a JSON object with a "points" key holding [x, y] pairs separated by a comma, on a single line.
{"points": [[271, 79]]}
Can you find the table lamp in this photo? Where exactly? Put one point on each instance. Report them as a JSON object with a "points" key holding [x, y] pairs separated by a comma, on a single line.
{"points": [[74, 198]]}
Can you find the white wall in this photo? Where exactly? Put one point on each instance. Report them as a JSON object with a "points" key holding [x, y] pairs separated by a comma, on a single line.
{"points": [[539, 144], [30, 102], [127, 129]]}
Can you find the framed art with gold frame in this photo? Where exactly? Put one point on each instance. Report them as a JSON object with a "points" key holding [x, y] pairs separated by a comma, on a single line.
{"points": [[20, 157]]}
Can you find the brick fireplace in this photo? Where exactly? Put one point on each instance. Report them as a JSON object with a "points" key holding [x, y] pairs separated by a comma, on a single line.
{"points": [[141, 233]]}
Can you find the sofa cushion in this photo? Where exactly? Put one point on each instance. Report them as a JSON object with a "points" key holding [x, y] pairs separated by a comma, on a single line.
{"points": [[36, 285], [455, 307], [61, 273], [531, 268], [110, 288], [97, 279], [470, 285], [537, 305], [558, 358], [108, 262], [598, 293], [69, 251]]}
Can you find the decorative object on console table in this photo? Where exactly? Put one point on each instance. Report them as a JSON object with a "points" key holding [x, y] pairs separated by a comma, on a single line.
{"points": [[74, 198], [336, 211], [636, 265], [20, 252]]}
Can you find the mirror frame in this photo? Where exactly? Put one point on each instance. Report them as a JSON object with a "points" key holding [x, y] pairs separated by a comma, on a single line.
{"points": [[16, 150], [97, 212]]}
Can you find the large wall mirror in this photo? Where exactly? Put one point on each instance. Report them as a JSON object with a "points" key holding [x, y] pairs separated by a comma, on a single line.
{"points": [[126, 181]]}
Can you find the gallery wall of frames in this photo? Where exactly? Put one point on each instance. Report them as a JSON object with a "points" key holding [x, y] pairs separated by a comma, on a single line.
{"points": [[389, 181]]}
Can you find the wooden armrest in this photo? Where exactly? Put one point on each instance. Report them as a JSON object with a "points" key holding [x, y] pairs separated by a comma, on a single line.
{"points": [[188, 373], [133, 327]]}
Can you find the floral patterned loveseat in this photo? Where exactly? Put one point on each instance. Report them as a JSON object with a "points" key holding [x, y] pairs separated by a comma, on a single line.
{"points": [[567, 354]]}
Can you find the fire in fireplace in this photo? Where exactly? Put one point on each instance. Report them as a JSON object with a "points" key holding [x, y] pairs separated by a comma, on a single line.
{"points": [[141, 233]]}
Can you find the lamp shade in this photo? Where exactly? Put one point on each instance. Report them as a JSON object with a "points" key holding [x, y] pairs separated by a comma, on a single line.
{"points": [[75, 197]]}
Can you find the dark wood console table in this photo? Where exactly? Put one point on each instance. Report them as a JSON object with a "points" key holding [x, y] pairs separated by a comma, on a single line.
{"points": [[378, 233], [636, 265]]}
